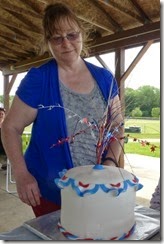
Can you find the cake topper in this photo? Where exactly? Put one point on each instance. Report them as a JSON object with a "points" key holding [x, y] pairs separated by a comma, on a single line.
{"points": [[107, 128]]}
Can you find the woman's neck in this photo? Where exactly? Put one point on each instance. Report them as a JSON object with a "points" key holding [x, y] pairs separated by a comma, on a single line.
{"points": [[71, 67]]}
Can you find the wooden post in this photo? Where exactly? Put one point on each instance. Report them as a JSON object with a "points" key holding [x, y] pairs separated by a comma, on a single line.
{"points": [[6, 95], [120, 69], [7, 88]]}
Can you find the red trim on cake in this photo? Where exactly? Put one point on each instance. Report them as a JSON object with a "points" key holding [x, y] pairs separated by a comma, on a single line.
{"points": [[70, 236], [116, 185], [83, 185], [64, 177]]}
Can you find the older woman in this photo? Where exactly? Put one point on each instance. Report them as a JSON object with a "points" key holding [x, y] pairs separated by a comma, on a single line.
{"points": [[56, 97], [3, 157]]}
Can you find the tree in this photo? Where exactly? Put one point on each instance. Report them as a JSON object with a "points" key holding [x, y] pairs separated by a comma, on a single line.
{"points": [[130, 101], [148, 97], [137, 112], [145, 98], [155, 112]]}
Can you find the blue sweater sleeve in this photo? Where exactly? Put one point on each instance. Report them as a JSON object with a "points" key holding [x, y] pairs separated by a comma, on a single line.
{"points": [[30, 88]]}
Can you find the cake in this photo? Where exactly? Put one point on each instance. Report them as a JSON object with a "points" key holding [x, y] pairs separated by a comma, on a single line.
{"points": [[97, 202]]}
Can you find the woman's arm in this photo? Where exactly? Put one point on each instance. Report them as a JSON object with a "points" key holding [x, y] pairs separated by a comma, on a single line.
{"points": [[115, 146], [19, 116]]}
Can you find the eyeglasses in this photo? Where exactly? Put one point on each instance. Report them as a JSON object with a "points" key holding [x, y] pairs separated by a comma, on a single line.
{"points": [[58, 40]]}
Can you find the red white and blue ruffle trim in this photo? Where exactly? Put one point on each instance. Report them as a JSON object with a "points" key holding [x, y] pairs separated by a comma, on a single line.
{"points": [[70, 236], [82, 189]]}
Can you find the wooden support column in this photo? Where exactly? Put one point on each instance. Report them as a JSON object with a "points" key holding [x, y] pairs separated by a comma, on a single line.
{"points": [[121, 76], [6, 95], [7, 88], [120, 69]]}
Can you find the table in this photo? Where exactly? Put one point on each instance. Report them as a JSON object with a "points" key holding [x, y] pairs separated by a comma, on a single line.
{"points": [[43, 228]]}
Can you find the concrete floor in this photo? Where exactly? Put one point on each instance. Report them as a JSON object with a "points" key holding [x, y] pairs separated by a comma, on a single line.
{"points": [[14, 213]]}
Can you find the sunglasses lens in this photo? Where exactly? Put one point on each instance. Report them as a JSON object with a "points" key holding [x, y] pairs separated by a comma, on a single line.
{"points": [[57, 40], [73, 36]]}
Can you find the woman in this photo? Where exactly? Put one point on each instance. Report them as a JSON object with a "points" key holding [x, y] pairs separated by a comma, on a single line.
{"points": [[155, 202], [56, 97], [3, 157]]}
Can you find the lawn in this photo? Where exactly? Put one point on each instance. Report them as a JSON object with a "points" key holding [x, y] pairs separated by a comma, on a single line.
{"points": [[150, 129], [137, 148]]}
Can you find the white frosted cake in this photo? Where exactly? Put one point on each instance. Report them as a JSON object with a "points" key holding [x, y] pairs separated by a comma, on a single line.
{"points": [[97, 203]]}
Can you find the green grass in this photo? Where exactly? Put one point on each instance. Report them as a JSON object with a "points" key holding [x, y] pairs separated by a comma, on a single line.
{"points": [[25, 141], [150, 130], [148, 127], [137, 148], [143, 136]]}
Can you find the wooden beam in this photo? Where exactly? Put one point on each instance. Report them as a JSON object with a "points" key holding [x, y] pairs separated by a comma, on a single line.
{"points": [[101, 61], [135, 61], [26, 65], [115, 24], [6, 95], [120, 68], [141, 12], [11, 83], [126, 39], [123, 9], [136, 36]]}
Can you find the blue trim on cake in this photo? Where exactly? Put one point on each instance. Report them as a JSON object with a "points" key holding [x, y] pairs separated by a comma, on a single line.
{"points": [[86, 189]]}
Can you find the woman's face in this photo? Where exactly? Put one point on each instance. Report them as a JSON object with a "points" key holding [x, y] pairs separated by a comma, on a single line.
{"points": [[2, 115], [66, 44]]}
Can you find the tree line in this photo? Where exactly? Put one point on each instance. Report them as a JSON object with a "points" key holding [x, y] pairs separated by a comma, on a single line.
{"points": [[143, 102]]}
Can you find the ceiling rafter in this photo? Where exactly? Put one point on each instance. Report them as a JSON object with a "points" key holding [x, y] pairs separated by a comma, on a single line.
{"points": [[140, 11], [15, 52], [111, 20], [13, 44], [19, 27], [123, 10], [8, 5], [12, 32], [16, 25], [95, 20], [10, 55], [38, 8], [27, 22]]}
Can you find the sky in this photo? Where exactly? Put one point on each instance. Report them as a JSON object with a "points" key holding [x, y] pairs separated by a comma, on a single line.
{"points": [[147, 71]]}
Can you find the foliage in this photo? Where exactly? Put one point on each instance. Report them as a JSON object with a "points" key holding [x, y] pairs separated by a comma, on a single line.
{"points": [[145, 98], [10, 99], [136, 112], [1, 99], [155, 112], [130, 101]]}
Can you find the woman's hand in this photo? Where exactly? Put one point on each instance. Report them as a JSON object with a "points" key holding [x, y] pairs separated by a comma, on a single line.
{"points": [[27, 188]]}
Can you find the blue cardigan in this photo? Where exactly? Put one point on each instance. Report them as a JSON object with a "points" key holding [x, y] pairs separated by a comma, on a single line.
{"points": [[40, 89]]}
